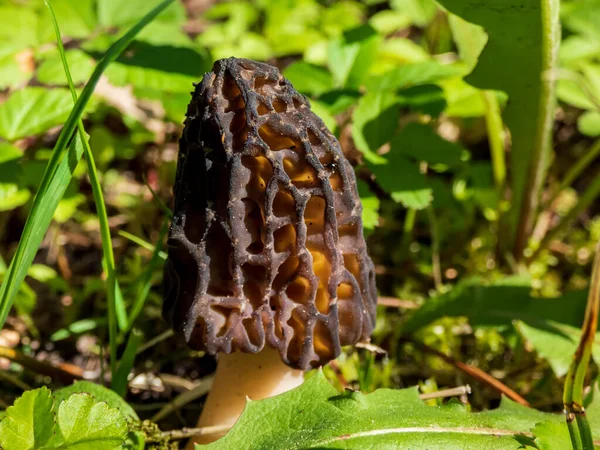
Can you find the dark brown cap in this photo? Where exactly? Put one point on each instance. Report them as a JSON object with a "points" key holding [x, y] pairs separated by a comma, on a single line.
{"points": [[266, 245]]}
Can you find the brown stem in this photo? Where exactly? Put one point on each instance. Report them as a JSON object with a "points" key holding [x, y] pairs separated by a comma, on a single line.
{"points": [[67, 373], [476, 373]]}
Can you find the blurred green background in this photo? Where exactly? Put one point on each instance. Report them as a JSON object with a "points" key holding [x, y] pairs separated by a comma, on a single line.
{"points": [[437, 176]]}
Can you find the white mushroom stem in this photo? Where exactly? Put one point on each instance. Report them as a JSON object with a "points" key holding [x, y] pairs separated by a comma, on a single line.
{"points": [[240, 375]]}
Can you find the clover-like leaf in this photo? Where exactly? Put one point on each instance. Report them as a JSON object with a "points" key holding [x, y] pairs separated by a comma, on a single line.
{"points": [[84, 424], [29, 423]]}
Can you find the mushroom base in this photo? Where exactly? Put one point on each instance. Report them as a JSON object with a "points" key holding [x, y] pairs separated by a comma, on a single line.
{"points": [[240, 375]]}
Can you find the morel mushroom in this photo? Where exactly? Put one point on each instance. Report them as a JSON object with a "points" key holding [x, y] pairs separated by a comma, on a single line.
{"points": [[266, 247]]}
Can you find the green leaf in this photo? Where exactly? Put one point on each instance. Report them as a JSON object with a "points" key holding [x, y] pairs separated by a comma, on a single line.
{"points": [[158, 67], [589, 123], [12, 73], [523, 38], [420, 11], [29, 423], [51, 70], [315, 415], [370, 205], [308, 78], [403, 180], [119, 382], [351, 55], [470, 39], [33, 110], [582, 17], [19, 32], [551, 325], [119, 13], [100, 393], [552, 436], [421, 143], [556, 343], [12, 193], [427, 99], [375, 120], [386, 22], [76, 19], [408, 75], [84, 424]]}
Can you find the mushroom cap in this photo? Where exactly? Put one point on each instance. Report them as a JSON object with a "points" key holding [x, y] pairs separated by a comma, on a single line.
{"points": [[266, 246]]}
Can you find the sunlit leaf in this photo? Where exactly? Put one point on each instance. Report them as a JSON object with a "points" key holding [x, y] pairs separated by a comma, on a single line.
{"points": [[29, 423], [33, 110]]}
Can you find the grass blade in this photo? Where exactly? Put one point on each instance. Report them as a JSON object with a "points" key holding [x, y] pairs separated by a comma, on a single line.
{"points": [[142, 243], [107, 248], [119, 381], [573, 390], [58, 173], [577, 169]]}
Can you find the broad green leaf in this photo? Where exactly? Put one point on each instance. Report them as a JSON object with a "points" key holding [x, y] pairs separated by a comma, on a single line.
{"points": [[29, 423], [420, 11], [571, 92], [402, 179], [76, 19], [589, 123], [20, 31], [552, 436], [340, 16], [556, 343], [408, 75], [84, 424], [12, 73], [523, 40], [375, 120], [576, 48], [315, 415], [582, 17], [290, 26], [470, 39], [370, 205], [100, 393], [308, 79], [421, 143], [339, 100], [386, 21], [401, 51], [322, 111], [33, 110], [158, 67], [351, 55], [51, 70], [12, 193], [119, 13], [550, 324]]}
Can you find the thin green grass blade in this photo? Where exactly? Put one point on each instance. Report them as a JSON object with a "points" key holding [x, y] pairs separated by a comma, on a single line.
{"points": [[577, 169], [107, 249], [58, 174], [145, 282], [119, 381], [142, 243]]}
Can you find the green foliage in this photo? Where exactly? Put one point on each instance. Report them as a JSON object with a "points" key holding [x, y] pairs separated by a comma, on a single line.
{"points": [[77, 422], [417, 94], [316, 415]]}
